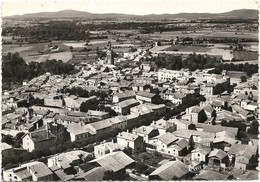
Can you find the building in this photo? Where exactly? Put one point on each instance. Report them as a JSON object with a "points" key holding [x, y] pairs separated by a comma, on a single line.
{"points": [[146, 132], [33, 171], [169, 75], [114, 161], [106, 148], [200, 154], [172, 170], [119, 97], [38, 140], [123, 107], [110, 54], [146, 97], [131, 141], [78, 132], [164, 141]]}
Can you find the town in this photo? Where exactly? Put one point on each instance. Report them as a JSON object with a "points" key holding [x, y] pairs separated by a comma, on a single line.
{"points": [[131, 106]]}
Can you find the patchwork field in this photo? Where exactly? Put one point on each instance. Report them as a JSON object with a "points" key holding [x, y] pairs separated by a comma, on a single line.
{"points": [[183, 48], [202, 33], [29, 51]]}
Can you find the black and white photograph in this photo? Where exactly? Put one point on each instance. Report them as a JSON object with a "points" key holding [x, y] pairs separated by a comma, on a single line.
{"points": [[129, 90]]}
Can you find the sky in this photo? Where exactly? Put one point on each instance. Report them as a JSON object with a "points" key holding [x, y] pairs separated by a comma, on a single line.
{"points": [[139, 7]]}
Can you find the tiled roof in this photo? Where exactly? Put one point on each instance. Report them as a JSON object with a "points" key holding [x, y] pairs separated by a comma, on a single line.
{"points": [[220, 154], [127, 136], [170, 170], [145, 94], [167, 138], [114, 161]]}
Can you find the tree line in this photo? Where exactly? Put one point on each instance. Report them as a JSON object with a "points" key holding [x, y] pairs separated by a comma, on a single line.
{"points": [[194, 62], [15, 69]]}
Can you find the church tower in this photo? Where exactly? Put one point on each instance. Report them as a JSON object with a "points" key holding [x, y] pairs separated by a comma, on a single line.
{"points": [[110, 56]]}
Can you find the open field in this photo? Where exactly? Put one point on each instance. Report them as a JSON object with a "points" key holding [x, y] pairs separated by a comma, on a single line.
{"points": [[183, 48], [207, 33], [26, 50]]}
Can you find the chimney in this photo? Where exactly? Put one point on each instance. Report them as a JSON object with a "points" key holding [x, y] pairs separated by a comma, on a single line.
{"points": [[127, 131]]}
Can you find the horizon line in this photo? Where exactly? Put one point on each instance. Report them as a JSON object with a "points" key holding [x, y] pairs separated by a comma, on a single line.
{"points": [[128, 13]]}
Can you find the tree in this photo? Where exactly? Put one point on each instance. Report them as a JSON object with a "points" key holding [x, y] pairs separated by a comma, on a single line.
{"points": [[37, 153], [243, 79], [19, 135], [27, 156], [192, 127], [141, 167], [109, 175], [8, 139], [191, 143], [254, 127]]}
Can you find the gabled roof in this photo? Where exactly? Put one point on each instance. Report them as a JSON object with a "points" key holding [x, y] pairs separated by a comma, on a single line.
{"points": [[196, 109], [167, 138], [40, 170], [127, 103], [220, 154], [211, 175], [101, 124], [40, 135], [114, 161], [127, 136], [202, 149], [170, 170], [208, 108], [95, 174], [144, 130], [218, 128], [76, 129], [145, 94]]}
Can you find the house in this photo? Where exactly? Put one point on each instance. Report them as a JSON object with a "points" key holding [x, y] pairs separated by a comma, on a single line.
{"points": [[163, 126], [209, 111], [146, 132], [245, 115], [179, 148], [197, 115], [164, 141], [99, 127], [38, 140], [244, 156], [131, 141], [172, 170], [181, 124], [68, 160], [177, 98], [169, 75], [146, 97], [197, 136], [200, 154], [216, 104], [114, 161], [217, 128], [66, 120], [158, 110], [106, 148], [97, 114], [33, 171], [219, 158], [224, 139], [123, 107], [119, 97], [211, 175], [78, 132], [95, 174]]}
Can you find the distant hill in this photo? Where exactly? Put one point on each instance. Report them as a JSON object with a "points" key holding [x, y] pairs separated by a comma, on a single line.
{"points": [[241, 13]]}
